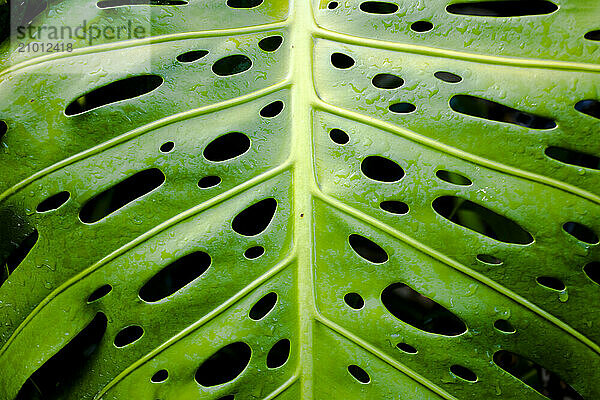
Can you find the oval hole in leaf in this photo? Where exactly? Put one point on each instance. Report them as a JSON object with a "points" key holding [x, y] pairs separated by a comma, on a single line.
{"points": [[120, 195], [3, 128], [535, 376], [128, 335], [167, 147], [99, 293], [225, 365], [480, 219], [338, 136], [367, 249], [381, 169], [489, 259], [175, 276], [592, 270], [53, 202], [272, 110], [419, 311], [279, 354], [123, 89], [263, 306], [402, 108], [122, 3], [378, 7], [504, 326], [407, 348], [52, 377], [573, 157], [593, 35], [270, 43], [387, 81], [421, 26], [256, 218], [342, 61], [254, 252], [228, 397], [506, 8], [551, 283], [232, 65], [394, 207], [244, 3], [354, 300], [160, 376], [581, 232], [226, 147], [448, 77], [490, 110], [192, 56], [359, 374], [332, 5], [208, 182], [463, 373], [589, 107], [18, 254], [453, 178]]}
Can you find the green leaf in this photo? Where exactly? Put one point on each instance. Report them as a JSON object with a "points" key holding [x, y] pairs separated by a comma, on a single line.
{"points": [[249, 199]]}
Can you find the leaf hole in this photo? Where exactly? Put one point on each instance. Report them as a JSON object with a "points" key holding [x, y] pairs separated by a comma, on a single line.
{"points": [[256, 218], [387, 81], [367, 249], [18, 254], [402, 108], [167, 147], [593, 35], [244, 3], [175, 276], [407, 348], [421, 26], [227, 147], [490, 110], [228, 397], [506, 8], [263, 306], [225, 365], [354, 300], [419, 311], [272, 110], [549, 282], [581, 232], [160, 376], [342, 61], [481, 220], [448, 77], [122, 3], [378, 7], [100, 293], [394, 207], [453, 178], [338, 136], [489, 259], [504, 326], [359, 374], [128, 335], [124, 89], [573, 157], [381, 169], [270, 43], [53, 202], [3, 129], [232, 65], [254, 252], [535, 376], [332, 5], [463, 373], [592, 271], [279, 354], [208, 182], [121, 194], [192, 56], [589, 107]]}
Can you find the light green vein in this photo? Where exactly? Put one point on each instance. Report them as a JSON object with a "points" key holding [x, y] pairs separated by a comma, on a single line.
{"points": [[463, 155], [142, 238], [140, 131], [389, 360], [458, 266], [286, 385], [196, 325]]}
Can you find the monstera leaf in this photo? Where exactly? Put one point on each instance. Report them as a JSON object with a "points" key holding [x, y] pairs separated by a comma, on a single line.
{"points": [[253, 199]]}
